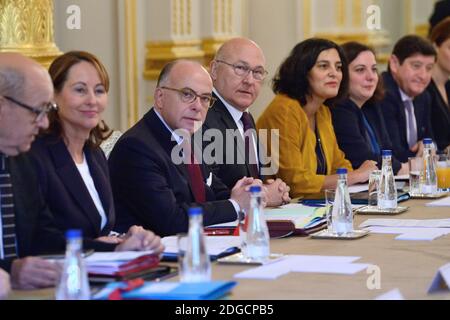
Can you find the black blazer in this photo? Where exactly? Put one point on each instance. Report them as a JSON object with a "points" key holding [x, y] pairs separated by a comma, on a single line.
{"points": [[66, 193], [440, 115], [219, 118], [393, 111], [150, 190], [35, 229], [351, 133]]}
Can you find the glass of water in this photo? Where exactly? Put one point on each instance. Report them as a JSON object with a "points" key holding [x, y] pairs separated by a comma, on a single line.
{"points": [[415, 168], [329, 200], [374, 182]]}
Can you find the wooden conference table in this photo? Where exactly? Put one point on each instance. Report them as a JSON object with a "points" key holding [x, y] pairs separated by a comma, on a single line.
{"points": [[407, 265]]}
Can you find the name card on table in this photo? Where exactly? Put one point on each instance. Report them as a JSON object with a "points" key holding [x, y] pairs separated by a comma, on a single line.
{"points": [[441, 280]]}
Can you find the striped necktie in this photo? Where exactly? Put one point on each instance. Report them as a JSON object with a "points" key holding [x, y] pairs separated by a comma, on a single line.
{"points": [[7, 212]]}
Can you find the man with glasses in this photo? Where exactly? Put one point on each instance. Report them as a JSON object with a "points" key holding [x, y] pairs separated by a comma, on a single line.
{"points": [[155, 175], [26, 92], [238, 73]]}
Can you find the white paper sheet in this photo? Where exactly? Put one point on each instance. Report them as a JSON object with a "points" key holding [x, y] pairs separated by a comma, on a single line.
{"points": [[115, 256], [394, 294], [425, 223], [411, 233], [358, 188], [214, 245], [306, 263], [445, 202]]}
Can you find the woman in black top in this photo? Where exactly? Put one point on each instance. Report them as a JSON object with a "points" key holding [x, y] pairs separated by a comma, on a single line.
{"points": [[358, 121], [439, 87]]}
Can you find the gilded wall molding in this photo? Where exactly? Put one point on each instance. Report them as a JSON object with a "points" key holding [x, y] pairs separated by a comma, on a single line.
{"points": [[422, 29], [210, 47], [307, 24], [26, 26], [377, 40], [356, 13], [161, 52], [131, 68]]}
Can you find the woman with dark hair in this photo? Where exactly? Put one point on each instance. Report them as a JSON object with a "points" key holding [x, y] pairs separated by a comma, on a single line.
{"points": [[439, 87], [358, 121], [72, 169], [311, 78]]}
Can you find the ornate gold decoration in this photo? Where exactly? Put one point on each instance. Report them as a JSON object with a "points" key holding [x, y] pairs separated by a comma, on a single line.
{"points": [[210, 47], [229, 29], [131, 63], [408, 16], [356, 13], [306, 18], [422, 30], [161, 52], [378, 40], [216, 16], [26, 26], [340, 13]]}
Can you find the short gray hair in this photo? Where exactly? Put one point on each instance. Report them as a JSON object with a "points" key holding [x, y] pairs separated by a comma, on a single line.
{"points": [[12, 82]]}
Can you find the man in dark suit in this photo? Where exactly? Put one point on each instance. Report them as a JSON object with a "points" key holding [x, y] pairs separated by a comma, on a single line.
{"points": [[25, 94], [406, 105], [153, 178], [238, 73]]}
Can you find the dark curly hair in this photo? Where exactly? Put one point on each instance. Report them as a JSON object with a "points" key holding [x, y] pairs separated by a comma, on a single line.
{"points": [[291, 78], [352, 50], [59, 71]]}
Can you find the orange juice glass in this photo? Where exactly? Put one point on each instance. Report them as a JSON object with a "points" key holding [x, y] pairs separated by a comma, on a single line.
{"points": [[443, 171]]}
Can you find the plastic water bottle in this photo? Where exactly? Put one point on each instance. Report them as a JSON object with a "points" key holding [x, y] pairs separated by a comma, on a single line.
{"points": [[74, 283], [342, 213], [387, 192], [195, 265], [428, 177], [258, 239]]}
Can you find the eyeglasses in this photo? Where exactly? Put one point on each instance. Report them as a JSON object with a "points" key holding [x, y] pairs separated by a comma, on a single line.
{"points": [[242, 70], [188, 95], [39, 112]]}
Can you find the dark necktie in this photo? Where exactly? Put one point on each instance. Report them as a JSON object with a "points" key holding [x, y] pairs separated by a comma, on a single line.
{"points": [[412, 133], [196, 178], [250, 156], [7, 211]]}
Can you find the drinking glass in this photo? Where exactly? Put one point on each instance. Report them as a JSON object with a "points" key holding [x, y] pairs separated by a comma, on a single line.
{"points": [[374, 182], [329, 200], [415, 168]]}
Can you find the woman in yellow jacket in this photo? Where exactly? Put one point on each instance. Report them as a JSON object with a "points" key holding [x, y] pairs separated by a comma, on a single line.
{"points": [[312, 76]]}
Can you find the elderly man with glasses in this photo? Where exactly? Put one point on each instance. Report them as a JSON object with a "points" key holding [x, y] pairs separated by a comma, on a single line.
{"points": [[238, 73], [156, 177], [26, 94]]}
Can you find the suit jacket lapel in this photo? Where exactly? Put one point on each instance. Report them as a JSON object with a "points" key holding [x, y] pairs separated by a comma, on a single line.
{"points": [[103, 187], [71, 178], [164, 137]]}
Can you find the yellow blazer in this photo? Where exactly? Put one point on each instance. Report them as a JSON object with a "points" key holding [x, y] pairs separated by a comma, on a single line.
{"points": [[297, 144]]}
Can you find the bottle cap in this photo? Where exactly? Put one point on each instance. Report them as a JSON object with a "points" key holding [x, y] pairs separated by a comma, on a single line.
{"points": [[427, 141], [73, 233], [255, 189], [341, 171], [195, 211], [386, 153]]}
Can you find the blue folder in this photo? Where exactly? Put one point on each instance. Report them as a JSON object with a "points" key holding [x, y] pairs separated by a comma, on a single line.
{"points": [[171, 291]]}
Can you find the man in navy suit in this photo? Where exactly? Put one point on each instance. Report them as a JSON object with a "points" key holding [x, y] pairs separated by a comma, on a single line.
{"points": [[26, 92], [406, 105], [153, 176], [238, 72]]}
